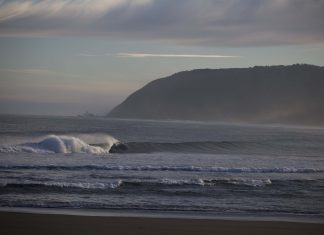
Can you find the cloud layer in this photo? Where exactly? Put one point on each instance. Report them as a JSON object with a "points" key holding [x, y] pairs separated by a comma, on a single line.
{"points": [[142, 55], [208, 22], [149, 55]]}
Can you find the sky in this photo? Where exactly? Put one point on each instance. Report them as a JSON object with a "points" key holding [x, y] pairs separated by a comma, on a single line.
{"points": [[66, 57]]}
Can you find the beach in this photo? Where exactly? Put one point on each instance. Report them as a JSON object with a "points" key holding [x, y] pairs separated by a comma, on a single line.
{"points": [[32, 223]]}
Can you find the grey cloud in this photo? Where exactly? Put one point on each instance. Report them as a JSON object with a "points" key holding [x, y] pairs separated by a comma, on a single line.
{"points": [[208, 22]]}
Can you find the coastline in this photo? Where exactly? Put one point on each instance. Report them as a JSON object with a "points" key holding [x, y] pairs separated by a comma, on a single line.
{"points": [[162, 214], [53, 221]]}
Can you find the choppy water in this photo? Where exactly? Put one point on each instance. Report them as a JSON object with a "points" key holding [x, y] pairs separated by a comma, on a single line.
{"points": [[219, 169]]}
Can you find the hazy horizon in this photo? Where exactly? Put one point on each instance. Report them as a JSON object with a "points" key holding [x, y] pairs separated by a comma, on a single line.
{"points": [[68, 57]]}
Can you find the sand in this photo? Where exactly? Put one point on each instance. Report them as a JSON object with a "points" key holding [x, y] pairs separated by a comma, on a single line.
{"points": [[29, 223]]}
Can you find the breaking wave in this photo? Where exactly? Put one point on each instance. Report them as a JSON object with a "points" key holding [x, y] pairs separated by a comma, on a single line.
{"points": [[103, 144], [139, 183], [100, 144], [167, 168], [152, 183], [62, 185]]}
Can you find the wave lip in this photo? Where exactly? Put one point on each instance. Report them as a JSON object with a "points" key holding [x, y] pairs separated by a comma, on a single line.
{"points": [[64, 144]]}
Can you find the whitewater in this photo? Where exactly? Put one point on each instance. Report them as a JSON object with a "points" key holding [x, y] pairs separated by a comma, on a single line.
{"points": [[161, 166], [63, 144]]}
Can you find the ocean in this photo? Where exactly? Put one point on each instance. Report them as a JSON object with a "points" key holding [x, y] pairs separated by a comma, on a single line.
{"points": [[185, 167]]}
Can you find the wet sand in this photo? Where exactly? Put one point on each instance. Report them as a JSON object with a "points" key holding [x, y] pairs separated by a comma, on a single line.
{"points": [[29, 223]]}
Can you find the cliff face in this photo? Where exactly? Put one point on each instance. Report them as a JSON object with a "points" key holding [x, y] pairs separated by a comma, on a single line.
{"points": [[282, 94]]}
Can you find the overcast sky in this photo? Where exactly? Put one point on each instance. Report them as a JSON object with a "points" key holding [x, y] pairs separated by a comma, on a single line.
{"points": [[65, 57]]}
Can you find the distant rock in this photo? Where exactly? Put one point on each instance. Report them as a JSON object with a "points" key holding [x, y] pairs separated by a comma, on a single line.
{"points": [[262, 94], [87, 114], [118, 147]]}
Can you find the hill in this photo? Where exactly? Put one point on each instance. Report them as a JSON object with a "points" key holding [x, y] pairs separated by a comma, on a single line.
{"points": [[263, 94]]}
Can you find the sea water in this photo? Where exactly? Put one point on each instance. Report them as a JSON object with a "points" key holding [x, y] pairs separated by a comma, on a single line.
{"points": [[167, 166]]}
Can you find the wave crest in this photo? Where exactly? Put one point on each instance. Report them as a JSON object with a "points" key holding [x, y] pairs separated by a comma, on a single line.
{"points": [[65, 144]]}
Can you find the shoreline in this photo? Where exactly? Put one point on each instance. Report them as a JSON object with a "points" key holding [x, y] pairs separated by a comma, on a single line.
{"points": [[41, 223], [162, 215]]}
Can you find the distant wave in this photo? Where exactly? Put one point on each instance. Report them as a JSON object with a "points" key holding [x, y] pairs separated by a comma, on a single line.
{"points": [[139, 183], [214, 182], [168, 168], [65, 144]]}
